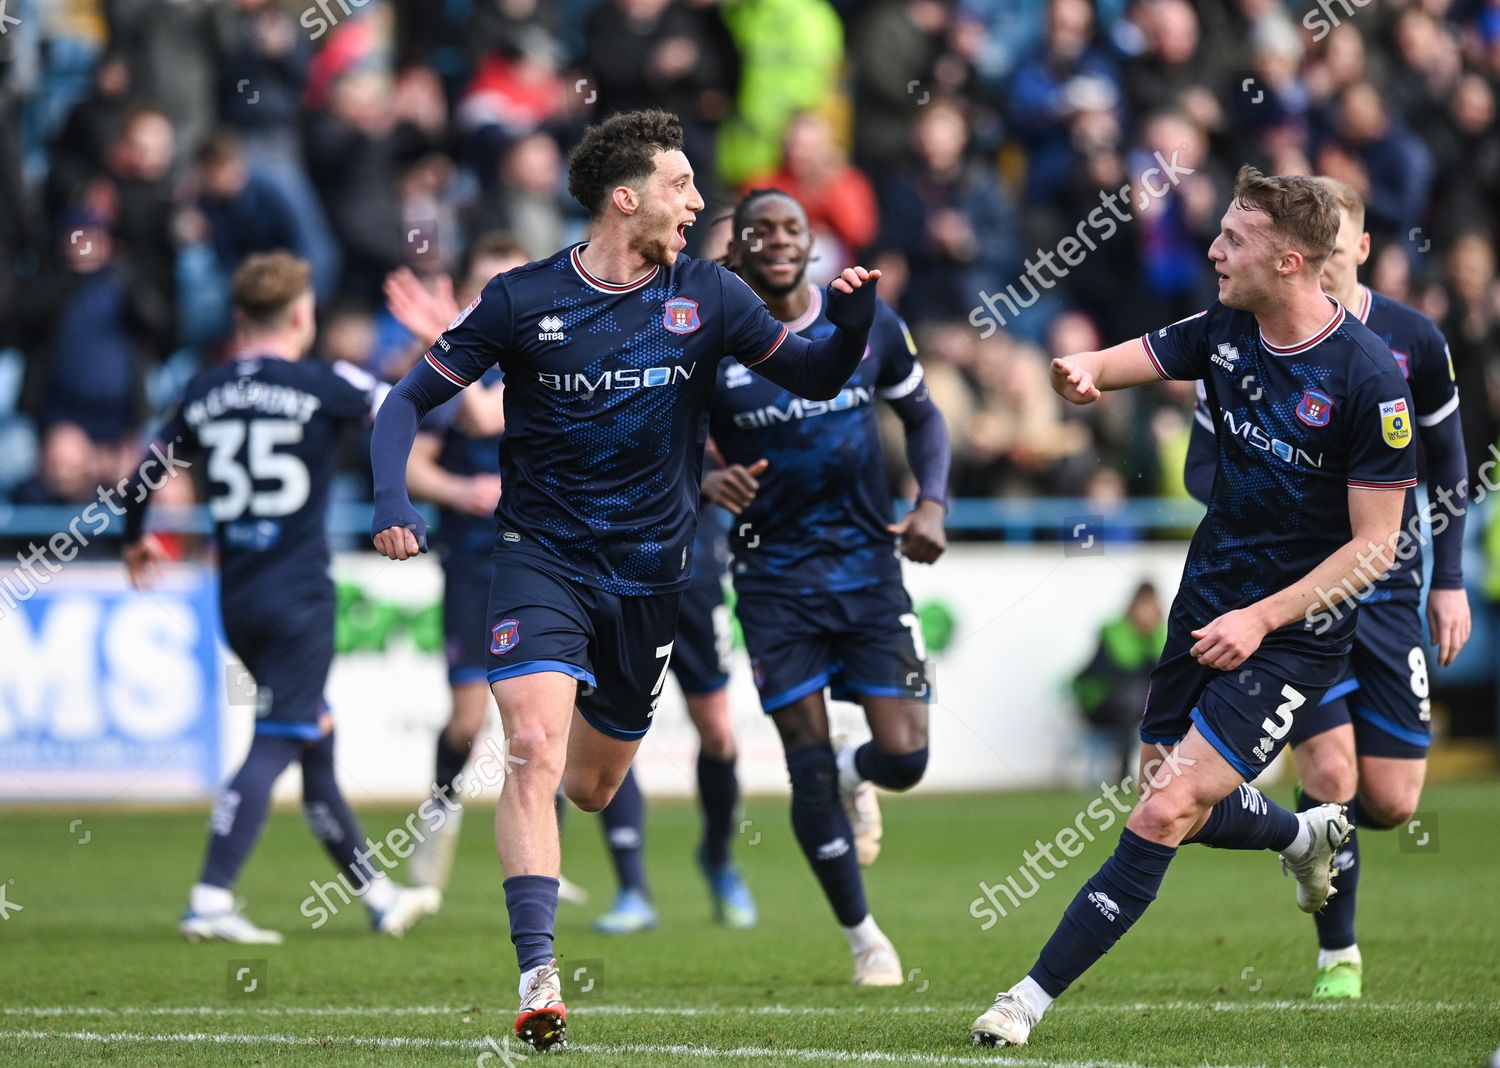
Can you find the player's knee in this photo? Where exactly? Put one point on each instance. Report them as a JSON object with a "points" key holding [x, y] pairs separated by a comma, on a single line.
{"points": [[814, 773], [1387, 808], [1328, 772], [1165, 817], [903, 770], [589, 793], [532, 748], [716, 740]]}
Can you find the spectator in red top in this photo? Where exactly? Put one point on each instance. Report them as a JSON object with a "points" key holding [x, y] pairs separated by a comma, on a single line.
{"points": [[838, 197]]}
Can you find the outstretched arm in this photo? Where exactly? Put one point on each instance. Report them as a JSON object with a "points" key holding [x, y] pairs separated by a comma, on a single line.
{"points": [[818, 369], [1081, 377]]}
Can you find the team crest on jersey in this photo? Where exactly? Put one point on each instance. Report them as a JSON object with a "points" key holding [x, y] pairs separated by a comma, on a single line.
{"points": [[680, 315], [1403, 361], [1315, 408], [505, 636], [1395, 423], [465, 313]]}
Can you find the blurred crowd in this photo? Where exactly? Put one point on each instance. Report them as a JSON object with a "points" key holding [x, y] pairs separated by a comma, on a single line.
{"points": [[147, 146]]}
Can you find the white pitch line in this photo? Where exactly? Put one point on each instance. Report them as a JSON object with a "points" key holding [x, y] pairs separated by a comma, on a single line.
{"points": [[585, 1009], [819, 1056]]}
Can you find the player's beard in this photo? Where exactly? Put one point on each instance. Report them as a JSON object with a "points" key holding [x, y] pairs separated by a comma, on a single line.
{"points": [[762, 284], [659, 235]]}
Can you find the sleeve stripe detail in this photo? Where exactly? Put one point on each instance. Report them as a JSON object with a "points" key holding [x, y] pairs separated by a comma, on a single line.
{"points": [[1403, 484], [1434, 418], [1151, 355], [775, 345], [904, 388], [449, 375]]}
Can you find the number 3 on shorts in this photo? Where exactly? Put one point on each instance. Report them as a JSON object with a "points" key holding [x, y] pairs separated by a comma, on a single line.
{"points": [[665, 652]]}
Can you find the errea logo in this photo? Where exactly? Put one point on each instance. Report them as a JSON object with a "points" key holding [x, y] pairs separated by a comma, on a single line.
{"points": [[1226, 356], [552, 329], [738, 375]]}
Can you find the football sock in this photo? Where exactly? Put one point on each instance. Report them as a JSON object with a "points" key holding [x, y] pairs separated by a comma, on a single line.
{"points": [[1334, 956], [1103, 911], [208, 900], [531, 901], [1335, 920], [866, 934], [450, 765], [625, 834], [240, 814], [332, 822], [823, 830], [899, 771], [1248, 819], [1036, 999], [719, 794]]}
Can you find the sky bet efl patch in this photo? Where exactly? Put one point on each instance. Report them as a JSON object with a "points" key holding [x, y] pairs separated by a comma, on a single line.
{"points": [[1395, 423]]}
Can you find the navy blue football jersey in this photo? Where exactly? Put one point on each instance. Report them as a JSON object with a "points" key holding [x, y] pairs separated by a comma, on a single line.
{"points": [[1422, 356], [266, 430], [606, 408], [1297, 426], [465, 455], [819, 519]]}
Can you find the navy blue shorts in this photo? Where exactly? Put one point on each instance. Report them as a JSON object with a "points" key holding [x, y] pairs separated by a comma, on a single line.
{"points": [[466, 602], [1246, 714], [288, 654], [701, 658], [862, 643], [1384, 689], [618, 648]]}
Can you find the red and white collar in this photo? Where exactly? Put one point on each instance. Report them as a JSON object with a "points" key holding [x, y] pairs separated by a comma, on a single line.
{"points": [[814, 309], [1318, 338], [576, 258], [1362, 313]]}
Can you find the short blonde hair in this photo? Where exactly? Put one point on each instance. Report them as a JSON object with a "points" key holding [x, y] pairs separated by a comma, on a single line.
{"points": [[1347, 198], [266, 285], [1302, 208]]}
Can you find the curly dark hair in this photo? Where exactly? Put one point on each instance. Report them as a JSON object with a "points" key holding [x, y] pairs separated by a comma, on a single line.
{"points": [[619, 150]]}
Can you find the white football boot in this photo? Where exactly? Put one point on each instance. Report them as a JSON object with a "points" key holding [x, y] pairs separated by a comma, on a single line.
{"points": [[863, 809], [1313, 868], [230, 926], [542, 1019], [431, 861], [412, 904], [1008, 1022], [878, 965]]}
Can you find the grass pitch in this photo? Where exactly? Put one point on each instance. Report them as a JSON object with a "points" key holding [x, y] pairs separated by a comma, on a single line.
{"points": [[1217, 973]]}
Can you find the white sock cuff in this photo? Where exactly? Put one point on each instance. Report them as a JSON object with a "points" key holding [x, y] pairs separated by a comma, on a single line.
{"points": [[1029, 991], [849, 776], [864, 934], [1301, 843], [379, 893], [208, 900], [1336, 956]]}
